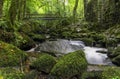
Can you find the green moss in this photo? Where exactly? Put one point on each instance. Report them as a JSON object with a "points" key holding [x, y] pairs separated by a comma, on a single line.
{"points": [[92, 75], [70, 65], [116, 60], [115, 55], [24, 42], [11, 55], [111, 73], [87, 41], [44, 63], [10, 73], [7, 36]]}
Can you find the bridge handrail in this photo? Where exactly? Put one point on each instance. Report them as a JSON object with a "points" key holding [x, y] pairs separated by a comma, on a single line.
{"points": [[41, 15]]}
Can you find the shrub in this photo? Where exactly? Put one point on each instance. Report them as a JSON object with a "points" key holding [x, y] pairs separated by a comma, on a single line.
{"points": [[11, 55], [70, 65], [111, 73], [44, 63], [37, 37], [87, 41]]}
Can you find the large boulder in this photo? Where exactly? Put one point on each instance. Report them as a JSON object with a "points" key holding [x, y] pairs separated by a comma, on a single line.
{"points": [[44, 63], [70, 65], [11, 55]]}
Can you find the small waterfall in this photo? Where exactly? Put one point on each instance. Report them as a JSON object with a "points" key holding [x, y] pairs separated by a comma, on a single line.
{"points": [[60, 46], [66, 46]]}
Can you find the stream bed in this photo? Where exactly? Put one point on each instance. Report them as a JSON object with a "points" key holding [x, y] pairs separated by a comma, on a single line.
{"points": [[62, 46]]}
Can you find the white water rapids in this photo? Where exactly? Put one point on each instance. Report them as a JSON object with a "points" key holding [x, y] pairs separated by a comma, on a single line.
{"points": [[92, 56], [66, 46]]}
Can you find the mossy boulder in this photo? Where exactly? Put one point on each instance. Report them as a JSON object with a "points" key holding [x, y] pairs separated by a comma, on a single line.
{"points": [[44, 63], [111, 73], [70, 65], [92, 75], [115, 55], [116, 60], [24, 42], [11, 73], [7, 36], [11, 55], [115, 52]]}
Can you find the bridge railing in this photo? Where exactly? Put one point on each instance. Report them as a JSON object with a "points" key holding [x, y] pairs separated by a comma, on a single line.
{"points": [[40, 15], [43, 16]]}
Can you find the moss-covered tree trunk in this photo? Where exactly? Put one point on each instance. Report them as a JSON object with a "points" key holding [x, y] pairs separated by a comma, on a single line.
{"points": [[117, 11], [75, 9], [13, 11], [91, 11], [85, 8], [64, 8], [21, 9], [16, 10], [1, 7]]}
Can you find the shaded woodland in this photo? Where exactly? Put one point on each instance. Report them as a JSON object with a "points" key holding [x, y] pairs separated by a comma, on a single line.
{"points": [[24, 24]]}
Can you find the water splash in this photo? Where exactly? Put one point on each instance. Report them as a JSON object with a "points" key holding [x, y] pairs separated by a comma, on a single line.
{"points": [[66, 46]]}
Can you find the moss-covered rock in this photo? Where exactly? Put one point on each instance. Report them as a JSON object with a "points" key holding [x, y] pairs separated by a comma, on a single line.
{"points": [[115, 52], [44, 63], [111, 73], [7, 36], [10, 73], [11, 55], [27, 44], [24, 42], [115, 55], [72, 64], [116, 60], [92, 75]]}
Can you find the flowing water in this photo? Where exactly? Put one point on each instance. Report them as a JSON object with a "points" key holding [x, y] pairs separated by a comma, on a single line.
{"points": [[66, 46]]}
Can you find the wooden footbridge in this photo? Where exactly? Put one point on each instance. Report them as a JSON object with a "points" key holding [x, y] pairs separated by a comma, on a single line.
{"points": [[43, 17]]}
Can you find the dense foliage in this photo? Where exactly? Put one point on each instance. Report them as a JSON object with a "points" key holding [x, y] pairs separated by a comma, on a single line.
{"points": [[11, 55], [25, 23]]}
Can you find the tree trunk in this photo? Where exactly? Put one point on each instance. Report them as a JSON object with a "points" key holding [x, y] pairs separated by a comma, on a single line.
{"points": [[75, 9], [85, 8], [13, 11], [1, 7], [22, 5]]}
